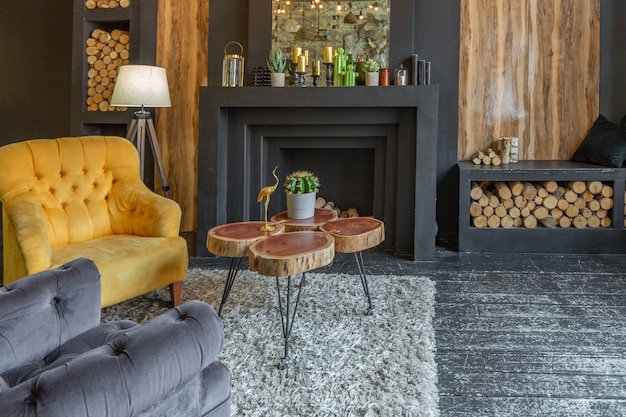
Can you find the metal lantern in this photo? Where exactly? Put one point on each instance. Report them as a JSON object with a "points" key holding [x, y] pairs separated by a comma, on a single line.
{"points": [[232, 70]]}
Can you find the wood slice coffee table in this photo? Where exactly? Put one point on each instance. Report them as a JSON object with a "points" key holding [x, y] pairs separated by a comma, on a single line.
{"points": [[232, 240], [354, 235], [285, 255], [320, 217]]}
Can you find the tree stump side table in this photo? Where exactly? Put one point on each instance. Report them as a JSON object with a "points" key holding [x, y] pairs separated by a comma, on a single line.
{"points": [[320, 217], [232, 240], [354, 235], [285, 255]]}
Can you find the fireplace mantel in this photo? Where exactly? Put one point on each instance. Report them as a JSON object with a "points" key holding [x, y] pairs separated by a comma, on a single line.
{"points": [[237, 125]]}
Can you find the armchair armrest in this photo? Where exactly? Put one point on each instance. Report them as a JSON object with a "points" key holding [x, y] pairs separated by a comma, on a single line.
{"points": [[137, 210], [28, 220], [128, 374]]}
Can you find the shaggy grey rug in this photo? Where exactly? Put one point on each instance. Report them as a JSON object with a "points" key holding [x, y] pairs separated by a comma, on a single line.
{"points": [[342, 361]]}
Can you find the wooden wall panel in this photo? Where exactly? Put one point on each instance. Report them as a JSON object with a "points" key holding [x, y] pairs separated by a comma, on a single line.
{"points": [[528, 68], [182, 49]]}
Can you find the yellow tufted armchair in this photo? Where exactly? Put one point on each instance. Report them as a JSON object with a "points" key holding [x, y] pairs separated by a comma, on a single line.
{"points": [[77, 197]]}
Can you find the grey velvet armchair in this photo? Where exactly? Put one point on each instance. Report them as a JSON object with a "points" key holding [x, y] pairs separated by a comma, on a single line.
{"points": [[56, 359]]}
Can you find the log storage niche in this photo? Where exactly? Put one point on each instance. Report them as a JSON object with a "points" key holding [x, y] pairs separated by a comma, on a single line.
{"points": [[106, 35], [106, 52], [547, 203], [553, 206]]}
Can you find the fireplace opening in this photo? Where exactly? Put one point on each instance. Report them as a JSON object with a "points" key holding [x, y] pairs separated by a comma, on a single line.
{"points": [[346, 175], [352, 170]]}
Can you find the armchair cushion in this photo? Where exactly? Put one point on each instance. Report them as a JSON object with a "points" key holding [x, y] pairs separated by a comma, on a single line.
{"points": [[38, 315]]}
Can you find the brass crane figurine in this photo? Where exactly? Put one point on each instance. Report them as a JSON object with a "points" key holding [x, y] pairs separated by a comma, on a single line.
{"points": [[265, 193]]}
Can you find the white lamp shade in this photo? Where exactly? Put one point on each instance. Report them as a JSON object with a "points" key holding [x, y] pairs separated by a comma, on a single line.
{"points": [[141, 85]]}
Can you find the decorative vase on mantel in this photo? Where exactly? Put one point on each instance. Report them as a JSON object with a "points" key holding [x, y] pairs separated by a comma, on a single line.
{"points": [[301, 206], [371, 78], [278, 79]]}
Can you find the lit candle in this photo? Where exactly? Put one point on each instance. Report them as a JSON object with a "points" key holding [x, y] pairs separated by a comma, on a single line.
{"points": [[316, 67], [306, 56], [328, 54], [301, 63], [297, 51]]}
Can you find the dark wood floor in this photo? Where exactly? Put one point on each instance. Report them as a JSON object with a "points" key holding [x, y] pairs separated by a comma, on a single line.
{"points": [[521, 335]]}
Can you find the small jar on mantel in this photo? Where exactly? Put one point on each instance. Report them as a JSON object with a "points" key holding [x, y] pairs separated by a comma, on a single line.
{"points": [[383, 75]]}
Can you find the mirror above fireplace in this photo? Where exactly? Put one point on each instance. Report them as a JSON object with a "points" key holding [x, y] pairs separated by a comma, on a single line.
{"points": [[251, 23], [361, 28]]}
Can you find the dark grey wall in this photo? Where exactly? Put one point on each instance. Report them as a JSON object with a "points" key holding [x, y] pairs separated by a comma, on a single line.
{"points": [[437, 34], [613, 59], [36, 58]]}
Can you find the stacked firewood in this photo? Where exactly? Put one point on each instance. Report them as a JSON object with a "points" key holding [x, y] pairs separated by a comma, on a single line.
{"points": [[487, 157], [321, 202], [106, 52], [576, 204], [106, 4]]}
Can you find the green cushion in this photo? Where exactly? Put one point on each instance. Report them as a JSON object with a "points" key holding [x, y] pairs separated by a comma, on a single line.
{"points": [[605, 144]]}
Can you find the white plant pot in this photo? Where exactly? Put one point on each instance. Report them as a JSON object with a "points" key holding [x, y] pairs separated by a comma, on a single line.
{"points": [[278, 79], [371, 78], [301, 206]]}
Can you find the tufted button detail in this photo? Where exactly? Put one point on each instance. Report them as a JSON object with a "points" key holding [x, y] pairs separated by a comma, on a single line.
{"points": [[74, 188], [52, 190], [62, 174], [86, 201]]}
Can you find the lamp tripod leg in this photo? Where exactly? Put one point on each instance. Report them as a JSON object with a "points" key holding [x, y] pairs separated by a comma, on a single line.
{"points": [[157, 156]]}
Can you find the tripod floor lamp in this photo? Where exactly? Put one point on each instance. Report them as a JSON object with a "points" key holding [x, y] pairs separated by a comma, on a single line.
{"points": [[143, 86]]}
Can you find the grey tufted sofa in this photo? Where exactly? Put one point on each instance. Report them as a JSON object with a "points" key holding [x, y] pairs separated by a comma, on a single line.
{"points": [[56, 359]]}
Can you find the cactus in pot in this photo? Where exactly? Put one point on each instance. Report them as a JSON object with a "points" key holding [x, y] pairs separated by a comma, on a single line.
{"points": [[301, 188], [301, 182], [371, 68], [276, 63]]}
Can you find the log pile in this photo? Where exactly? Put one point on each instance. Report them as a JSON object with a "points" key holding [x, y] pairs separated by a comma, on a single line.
{"points": [[487, 157], [549, 204], [106, 52], [321, 202], [106, 4]]}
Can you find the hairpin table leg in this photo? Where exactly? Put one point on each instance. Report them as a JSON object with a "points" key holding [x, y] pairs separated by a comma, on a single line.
{"points": [[287, 315], [361, 265], [230, 280]]}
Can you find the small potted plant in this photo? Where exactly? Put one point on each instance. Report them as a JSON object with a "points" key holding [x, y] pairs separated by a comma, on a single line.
{"points": [[371, 72], [276, 63], [301, 188]]}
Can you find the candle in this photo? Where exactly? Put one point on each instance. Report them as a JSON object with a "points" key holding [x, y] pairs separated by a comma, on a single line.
{"points": [[301, 63], [297, 51], [306, 57], [328, 54], [316, 67]]}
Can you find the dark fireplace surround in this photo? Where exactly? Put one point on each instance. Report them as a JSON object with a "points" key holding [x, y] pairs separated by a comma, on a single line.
{"points": [[373, 147]]}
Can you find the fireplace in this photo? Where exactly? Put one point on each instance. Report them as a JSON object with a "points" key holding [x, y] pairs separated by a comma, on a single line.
{"points": [[373, 148]]}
